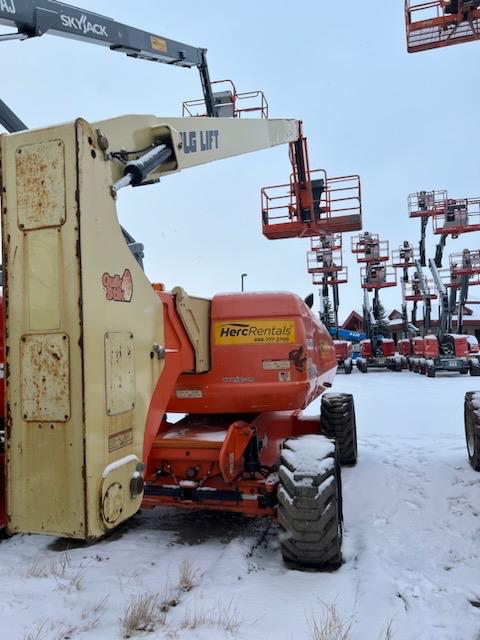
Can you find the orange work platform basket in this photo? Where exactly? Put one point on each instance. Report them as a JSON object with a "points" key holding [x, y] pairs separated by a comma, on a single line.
{"points": [[331, 241], [424, 204], [440, 23], [405, 256], [335, 207], [369, 248], [466, 263], [459, 216], [324, 261], [378, 276], [413, 293], [228, 103]]}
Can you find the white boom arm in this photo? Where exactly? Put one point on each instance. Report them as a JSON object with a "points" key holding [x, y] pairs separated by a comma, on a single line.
{"points": [[194, 141]]}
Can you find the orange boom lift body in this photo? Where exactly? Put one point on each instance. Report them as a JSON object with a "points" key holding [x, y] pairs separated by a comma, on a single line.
{"points": [[270, 358]]}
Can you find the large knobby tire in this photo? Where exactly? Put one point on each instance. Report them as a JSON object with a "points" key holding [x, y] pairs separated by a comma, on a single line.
{"points": [[310, 503], [362, 365], [472, 428], [475, 368], [348, 365], [337, 420]]}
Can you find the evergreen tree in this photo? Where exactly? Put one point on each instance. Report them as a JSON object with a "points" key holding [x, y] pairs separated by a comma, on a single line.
{"points": [[382, 327]]}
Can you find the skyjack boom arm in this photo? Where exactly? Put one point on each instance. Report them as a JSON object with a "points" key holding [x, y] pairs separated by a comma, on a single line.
{"points": [[34, 18]]}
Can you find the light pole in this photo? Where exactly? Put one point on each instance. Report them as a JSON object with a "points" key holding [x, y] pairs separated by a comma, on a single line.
{"points": [[244, 275]]}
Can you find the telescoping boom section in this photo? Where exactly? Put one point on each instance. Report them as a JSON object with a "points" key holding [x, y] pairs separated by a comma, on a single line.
{"points": [[34, 18], [93, 350]]}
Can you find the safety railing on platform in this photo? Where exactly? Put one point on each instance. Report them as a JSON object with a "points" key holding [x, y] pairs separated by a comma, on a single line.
{"points": [[331, 240], [359, 242], [324, 261], [465, 263], [339, 277], [427, 203], [378, 276], [453, 280], [336, 208], [374, 251], [228, 103], [460, 216], [405, 257], [440, 23], [412, 291]]}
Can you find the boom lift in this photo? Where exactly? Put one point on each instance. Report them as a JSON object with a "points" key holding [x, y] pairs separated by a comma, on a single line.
{"points": [[325, 263], [440, 23], [66, 498], [419, 289], [446, 351], [426, 205], [449, 217], [404, 258], [376, 351], [464, 273], [96, 355]]}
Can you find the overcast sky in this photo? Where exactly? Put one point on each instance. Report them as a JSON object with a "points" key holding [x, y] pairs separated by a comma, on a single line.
{"points": [[403, 122]]}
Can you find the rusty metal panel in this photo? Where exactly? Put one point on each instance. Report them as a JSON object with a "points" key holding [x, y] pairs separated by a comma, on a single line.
{"points": [[119, 372], [40, 176], [45, 377]]}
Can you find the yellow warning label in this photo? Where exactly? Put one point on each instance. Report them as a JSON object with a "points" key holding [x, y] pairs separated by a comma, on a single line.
{"points": [[254, 332], [159, 44]]}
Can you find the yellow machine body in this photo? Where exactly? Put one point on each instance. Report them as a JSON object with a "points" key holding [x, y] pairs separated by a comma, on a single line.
{"points": [[82, 319]]}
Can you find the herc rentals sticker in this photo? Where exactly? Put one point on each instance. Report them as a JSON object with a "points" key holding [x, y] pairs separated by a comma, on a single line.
{"points": [[254, 332]]}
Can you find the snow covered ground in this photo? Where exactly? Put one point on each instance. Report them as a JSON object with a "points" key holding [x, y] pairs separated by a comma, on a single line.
{"points": [[411, 548]]}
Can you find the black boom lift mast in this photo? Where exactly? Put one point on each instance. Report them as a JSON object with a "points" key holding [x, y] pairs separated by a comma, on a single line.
{"points": [[427, 304], [329, 308], [34, 18], [445, 311]]}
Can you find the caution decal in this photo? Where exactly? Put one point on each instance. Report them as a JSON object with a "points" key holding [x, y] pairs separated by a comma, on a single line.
{"points": [[159, 44], [254, 332]]}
